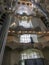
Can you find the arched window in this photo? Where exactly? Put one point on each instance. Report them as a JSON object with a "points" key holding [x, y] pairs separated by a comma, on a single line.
{"points": [[32, 57], [28, 38]]}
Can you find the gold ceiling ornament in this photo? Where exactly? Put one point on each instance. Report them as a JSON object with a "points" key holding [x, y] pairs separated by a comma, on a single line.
{"points": [[25, 2], [44, 32], [48, 32], [29, 32], [13, 31], [39, 32], [24, 18]]}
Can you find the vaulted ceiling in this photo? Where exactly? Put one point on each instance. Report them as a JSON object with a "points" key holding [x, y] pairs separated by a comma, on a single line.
{"points": [[11, 6]]}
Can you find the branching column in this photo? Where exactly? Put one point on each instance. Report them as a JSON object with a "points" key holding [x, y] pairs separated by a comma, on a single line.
{"points": [[3, 35]]}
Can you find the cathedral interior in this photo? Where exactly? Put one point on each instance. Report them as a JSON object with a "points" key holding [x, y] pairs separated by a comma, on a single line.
{"points": [[24, 32]]}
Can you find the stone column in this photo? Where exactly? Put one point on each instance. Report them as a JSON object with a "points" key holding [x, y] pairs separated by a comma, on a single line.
{"points": [[3, 35]]}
